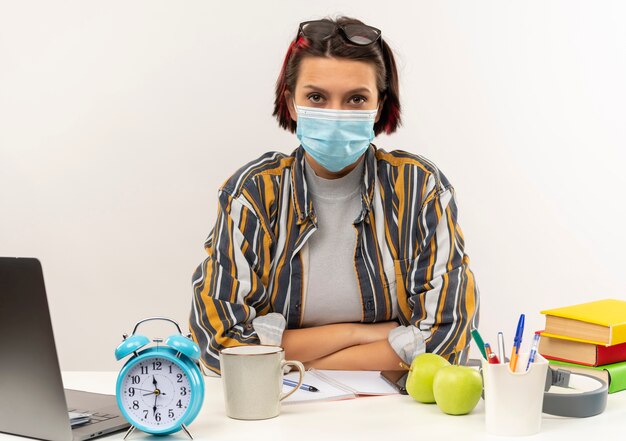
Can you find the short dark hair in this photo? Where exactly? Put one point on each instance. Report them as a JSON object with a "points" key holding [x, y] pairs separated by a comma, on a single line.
{"points": [[337, 47]]}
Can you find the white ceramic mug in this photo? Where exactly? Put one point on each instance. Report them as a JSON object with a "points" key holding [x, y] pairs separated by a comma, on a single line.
{"points": [[253, 380]]}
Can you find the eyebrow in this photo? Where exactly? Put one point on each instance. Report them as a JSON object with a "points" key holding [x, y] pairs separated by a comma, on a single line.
{"points": [[357, 90]]}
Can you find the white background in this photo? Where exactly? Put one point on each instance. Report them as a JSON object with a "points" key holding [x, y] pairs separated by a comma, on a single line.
{"points": [[120, 119]]}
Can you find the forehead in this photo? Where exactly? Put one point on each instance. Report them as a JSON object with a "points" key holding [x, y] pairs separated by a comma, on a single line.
{"points": [[336, 74]]}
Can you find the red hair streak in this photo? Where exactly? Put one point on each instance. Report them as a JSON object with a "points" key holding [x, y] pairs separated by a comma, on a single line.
{"points": [[295, 46], [392, 119]]}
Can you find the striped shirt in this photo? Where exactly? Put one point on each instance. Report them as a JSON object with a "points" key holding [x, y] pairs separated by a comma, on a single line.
{"points": [[409, 249]]}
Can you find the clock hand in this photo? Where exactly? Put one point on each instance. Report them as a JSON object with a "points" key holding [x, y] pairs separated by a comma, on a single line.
{"points": [[145, 390], [154, 408], [154, 382]]}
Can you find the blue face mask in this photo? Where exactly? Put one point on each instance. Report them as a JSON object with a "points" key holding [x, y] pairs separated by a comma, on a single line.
{"points": [[335, 138]]}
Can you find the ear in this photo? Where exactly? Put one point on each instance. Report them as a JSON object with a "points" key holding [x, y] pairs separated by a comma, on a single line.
{"points": [[381, 103], [288, 97]]}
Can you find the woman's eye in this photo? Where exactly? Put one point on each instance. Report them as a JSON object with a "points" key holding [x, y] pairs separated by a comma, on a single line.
{"points": [[357, 99], [316, 98]]}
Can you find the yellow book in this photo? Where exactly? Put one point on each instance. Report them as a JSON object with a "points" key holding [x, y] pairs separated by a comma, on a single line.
{"points": [[601, 322]]}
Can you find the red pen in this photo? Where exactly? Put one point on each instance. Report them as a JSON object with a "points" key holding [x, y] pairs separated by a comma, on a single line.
{"points": [[492, 358]]}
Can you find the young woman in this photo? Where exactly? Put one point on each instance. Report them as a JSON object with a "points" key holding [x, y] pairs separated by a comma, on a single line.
{"points": [[347, 256]]}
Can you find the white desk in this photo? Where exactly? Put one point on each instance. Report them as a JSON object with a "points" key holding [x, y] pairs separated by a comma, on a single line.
{"points": [[387, 418]]}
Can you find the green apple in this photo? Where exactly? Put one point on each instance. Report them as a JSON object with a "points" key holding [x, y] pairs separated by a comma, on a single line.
{"points": [[457, 389], [419, 382]]}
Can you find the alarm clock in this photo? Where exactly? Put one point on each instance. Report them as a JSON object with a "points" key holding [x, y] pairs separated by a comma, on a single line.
{"points": [[160, 389]]}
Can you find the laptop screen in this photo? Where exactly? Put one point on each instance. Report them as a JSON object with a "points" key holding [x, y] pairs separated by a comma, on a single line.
{"points": [[31, 386]]}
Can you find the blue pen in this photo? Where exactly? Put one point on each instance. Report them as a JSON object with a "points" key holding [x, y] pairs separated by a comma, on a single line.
{"points": [[306, 387], [533, 350], [517, 343]]}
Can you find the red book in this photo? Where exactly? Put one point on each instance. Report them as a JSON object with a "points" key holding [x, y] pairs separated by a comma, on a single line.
{"points": [[560, 348]]}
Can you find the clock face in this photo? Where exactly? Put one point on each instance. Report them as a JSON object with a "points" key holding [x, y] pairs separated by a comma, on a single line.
{"points": [[155, 393]]}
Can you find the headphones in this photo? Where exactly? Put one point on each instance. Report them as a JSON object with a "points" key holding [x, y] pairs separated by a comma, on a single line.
{"points": [[582, 395]]}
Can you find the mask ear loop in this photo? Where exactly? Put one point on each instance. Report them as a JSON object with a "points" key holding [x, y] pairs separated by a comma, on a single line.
{"points": [[295, 107]]}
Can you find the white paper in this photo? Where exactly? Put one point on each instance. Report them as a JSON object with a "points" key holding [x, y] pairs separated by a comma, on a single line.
{"points": [[338, 385], [76, 419]]}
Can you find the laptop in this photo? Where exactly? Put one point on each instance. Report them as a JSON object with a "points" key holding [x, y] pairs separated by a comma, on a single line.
{"points": [[33, 402]]}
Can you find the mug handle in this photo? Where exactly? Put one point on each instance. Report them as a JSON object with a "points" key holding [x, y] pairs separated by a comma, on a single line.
{"points": [[300, 368]]}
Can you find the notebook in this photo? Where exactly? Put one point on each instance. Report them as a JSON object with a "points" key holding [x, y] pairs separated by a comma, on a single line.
{"points": [[31, 386], [338, 385]]}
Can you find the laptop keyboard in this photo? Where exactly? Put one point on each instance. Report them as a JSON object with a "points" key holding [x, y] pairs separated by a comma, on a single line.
{"points": [[95, 417]]}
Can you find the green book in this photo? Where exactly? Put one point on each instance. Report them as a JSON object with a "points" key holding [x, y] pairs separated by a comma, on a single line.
{"points": [[614, 374]]}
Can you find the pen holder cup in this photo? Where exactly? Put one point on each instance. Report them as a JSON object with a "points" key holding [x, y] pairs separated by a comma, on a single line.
{"points": [[514, 400]]}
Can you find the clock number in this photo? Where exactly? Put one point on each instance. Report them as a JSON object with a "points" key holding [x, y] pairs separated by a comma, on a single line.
{"points": [[145, 414], [156, 365], [183, 391], [180, 378], [144, 370], [135, 404], [157, 417], [135, 379], [170, 413], [179, 404], [170, 368], [131, 391]]}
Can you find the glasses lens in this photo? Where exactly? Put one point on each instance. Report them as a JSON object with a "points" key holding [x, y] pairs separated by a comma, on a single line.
{"points": [[318, 30], [361, 34]]}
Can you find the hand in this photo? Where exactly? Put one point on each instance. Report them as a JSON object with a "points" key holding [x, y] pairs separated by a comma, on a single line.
{"points": [[144, 390], [154, 393]]}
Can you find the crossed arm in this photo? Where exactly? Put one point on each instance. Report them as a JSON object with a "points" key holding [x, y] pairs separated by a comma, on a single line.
{"points": [[442, 287], [351, 346]]}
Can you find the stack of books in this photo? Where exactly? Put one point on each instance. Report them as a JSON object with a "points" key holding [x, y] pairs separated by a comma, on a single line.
{"points": [[589, 338]]}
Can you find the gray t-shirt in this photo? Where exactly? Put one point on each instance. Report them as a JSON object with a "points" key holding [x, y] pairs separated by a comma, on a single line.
{"points": [[333, 294]]}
